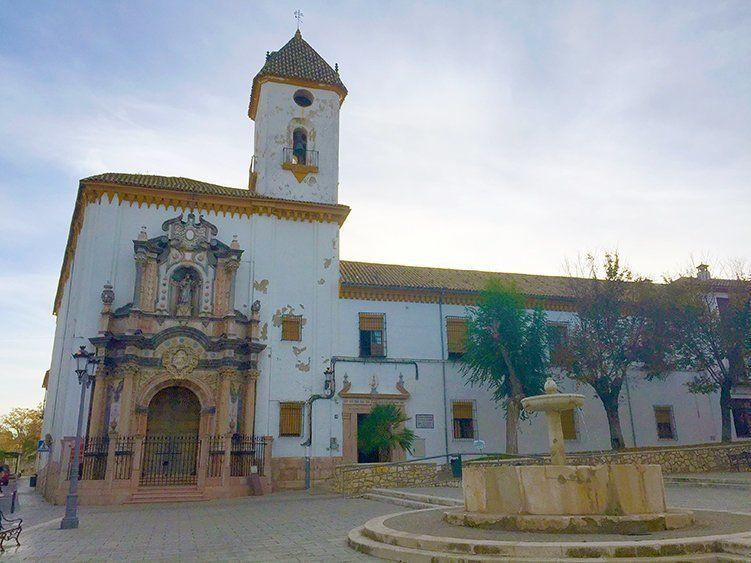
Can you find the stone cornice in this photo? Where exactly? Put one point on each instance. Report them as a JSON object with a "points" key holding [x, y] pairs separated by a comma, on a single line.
{"points": [[94, 192]]}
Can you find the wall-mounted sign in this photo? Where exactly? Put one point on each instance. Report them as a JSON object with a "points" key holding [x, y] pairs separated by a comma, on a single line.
{"points": [[424, 421]]}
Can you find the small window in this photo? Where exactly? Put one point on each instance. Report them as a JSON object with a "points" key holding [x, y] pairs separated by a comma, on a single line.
{"points": [[290, 419], [464, 420], [372, 335], [664, 421], [291, 327], [568, 424], [303, 98], [456, 336], [557, 339]]}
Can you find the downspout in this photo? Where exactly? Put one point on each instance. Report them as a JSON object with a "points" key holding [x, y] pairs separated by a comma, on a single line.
{"points": [[329, 388], [630, 409], [443, 375]]}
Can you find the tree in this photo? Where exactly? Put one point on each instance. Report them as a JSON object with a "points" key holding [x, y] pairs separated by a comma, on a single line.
{"points": [[383, 431], [20, 429], [615, 330], [711, 334], [506, 351]]}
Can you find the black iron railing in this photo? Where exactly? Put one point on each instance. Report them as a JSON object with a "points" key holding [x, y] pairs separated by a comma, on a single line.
{"points": [[94, 460], [216, 456], [170, 460], [299, 156], [246, 452], [124, 457]]}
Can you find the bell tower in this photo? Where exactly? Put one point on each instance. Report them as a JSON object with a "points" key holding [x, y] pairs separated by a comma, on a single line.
{"points": [[295, 101]]}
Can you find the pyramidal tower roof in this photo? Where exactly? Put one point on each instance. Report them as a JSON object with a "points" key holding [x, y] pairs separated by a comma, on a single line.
{"points": [[296, 63]]}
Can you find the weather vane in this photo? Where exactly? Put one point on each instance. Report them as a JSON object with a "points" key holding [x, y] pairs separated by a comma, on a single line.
{"points": [[299, 16]]}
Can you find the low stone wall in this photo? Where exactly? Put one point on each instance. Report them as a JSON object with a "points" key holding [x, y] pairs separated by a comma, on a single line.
{"points": [[357, 478], [289, 472], [691, 459]]}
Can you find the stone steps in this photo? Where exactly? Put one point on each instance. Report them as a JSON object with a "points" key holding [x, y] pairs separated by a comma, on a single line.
{"points": [[379, 540], [419, 497], [708, 482], [397, 501], [147, 495]]}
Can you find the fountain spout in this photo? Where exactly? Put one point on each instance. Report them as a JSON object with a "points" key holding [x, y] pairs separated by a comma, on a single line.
{"points": [[552, 403]]}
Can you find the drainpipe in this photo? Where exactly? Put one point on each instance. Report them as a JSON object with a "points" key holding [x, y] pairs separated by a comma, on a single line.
{"points": [[443, 375], [329, 387], [630, 409]]}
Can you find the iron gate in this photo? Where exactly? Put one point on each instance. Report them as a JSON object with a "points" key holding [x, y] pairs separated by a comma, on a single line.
{"points": [[170, 460]]}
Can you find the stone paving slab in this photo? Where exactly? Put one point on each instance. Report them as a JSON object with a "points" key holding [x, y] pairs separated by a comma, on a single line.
{"points": [[293, 526]]}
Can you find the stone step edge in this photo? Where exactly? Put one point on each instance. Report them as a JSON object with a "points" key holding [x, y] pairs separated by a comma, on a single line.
{"points": [[397, 501], [718, 483], [377, 531], [419, 497], [358, 541]]}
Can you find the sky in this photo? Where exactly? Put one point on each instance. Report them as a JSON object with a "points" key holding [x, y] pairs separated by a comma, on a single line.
{"points": [[504, 136]]}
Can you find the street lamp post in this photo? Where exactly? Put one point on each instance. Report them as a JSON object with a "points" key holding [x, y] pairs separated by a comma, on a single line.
{"points": [[85, 368]]}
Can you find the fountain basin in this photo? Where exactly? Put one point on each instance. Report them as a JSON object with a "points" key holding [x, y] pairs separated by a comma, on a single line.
{"points": [[594, 499], [553, 402]]}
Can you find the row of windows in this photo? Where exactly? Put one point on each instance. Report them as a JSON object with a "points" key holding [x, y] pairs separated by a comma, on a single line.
{"points": [[463, 415], [372, 328]]}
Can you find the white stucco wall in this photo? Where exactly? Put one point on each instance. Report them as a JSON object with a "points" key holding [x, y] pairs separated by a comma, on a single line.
{"points": [[276, 118]]}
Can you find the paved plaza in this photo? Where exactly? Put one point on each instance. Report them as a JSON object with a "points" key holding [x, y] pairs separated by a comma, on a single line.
{"points": [[291, 526]]}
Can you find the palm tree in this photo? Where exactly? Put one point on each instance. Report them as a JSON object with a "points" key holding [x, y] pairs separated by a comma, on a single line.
{"points": [[383, 431]]}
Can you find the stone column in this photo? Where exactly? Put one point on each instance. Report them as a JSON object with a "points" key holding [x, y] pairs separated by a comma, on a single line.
{"points": [[224, 400], [98, 403], [203, 461], [226, 465], [555, 435], [109, 473], [269, 440], [127, 399], [249, 415], [137, 461]]}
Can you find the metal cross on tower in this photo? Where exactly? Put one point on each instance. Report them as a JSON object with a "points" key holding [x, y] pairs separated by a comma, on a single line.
{"points": [[299, 16]]}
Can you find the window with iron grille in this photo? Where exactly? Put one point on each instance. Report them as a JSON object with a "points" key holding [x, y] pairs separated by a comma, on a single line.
{"points": [[464, 419], [291, 327], [568, 425], [290, 419], [664, 421], [557, 340], [456, 336], [372, 335]]}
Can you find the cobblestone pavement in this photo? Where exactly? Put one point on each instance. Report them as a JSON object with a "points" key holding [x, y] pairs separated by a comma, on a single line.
{"points": [[292, 526]]}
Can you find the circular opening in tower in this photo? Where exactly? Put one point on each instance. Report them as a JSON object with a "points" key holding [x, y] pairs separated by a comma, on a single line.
{"points": [[303, 98]]}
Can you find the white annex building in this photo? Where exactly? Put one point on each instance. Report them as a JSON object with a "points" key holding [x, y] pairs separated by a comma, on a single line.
{"points": [[224, 316]]}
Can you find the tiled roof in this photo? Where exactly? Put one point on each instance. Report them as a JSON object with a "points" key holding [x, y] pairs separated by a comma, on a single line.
{"points": [[167, 182], [297, 59], [393, 276], [180, 184]]}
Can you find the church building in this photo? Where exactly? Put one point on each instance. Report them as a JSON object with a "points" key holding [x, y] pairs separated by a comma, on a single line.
{"points": [[234, 343]]}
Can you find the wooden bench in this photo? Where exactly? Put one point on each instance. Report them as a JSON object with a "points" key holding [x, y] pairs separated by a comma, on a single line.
{"points": [[740, 460], [10, 529]]}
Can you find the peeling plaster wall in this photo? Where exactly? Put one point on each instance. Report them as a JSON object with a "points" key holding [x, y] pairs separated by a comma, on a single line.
{"points": [[276, 118]]}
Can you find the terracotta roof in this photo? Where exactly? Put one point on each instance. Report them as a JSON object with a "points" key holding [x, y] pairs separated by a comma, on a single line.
{"points": [[394, 276], [297, 60], [167, 182], [180, 184]]}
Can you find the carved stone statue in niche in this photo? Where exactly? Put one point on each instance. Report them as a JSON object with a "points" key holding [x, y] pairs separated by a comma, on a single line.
{"points": [[186, 289]]}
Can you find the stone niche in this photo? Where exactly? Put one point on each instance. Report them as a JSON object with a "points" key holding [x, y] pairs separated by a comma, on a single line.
{"points": [[626, 498]]}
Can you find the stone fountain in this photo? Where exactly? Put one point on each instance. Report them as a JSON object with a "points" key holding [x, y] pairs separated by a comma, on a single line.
{"points": [[609, 498]]}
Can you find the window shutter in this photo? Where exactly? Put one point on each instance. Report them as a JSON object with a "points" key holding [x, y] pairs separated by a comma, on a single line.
{"points": [[290, 419], [568, 424], [456, 333], [291, 327], [462, 409], [371, 321]]}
